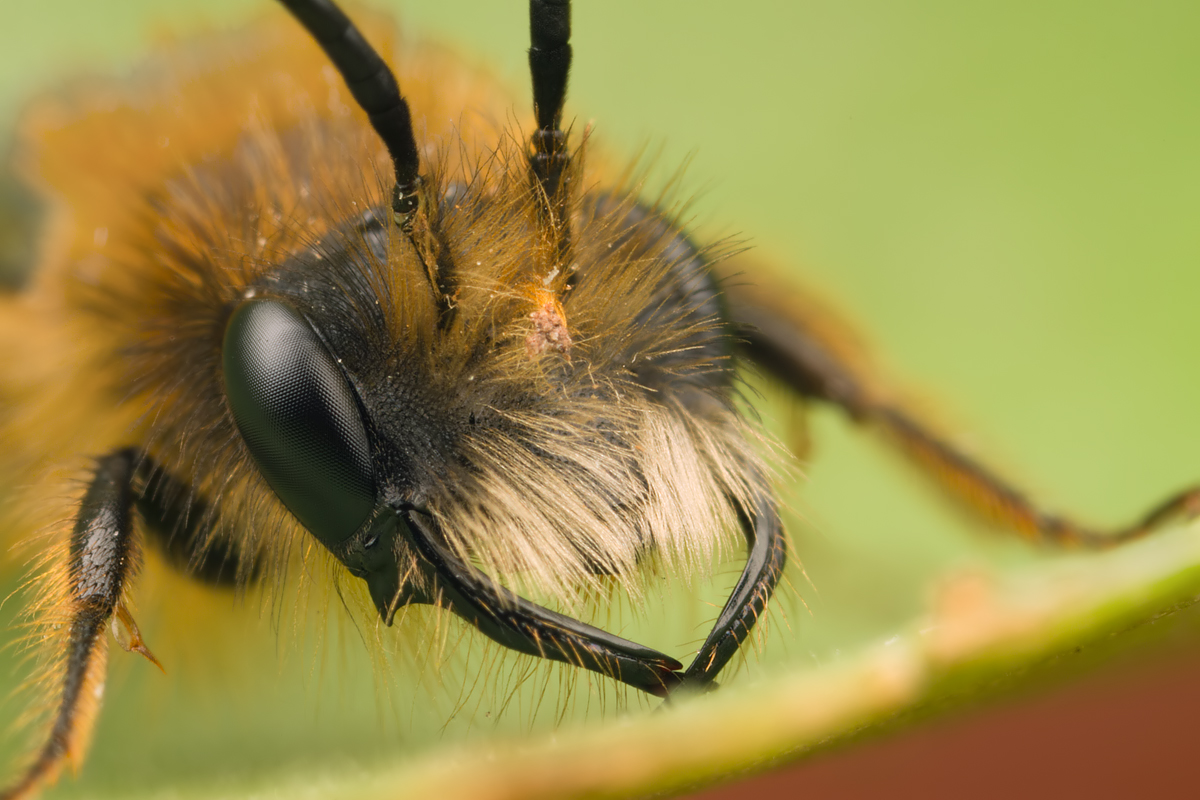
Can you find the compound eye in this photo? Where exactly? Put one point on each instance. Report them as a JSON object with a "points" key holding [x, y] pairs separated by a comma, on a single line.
{"points": [[298, 416]]}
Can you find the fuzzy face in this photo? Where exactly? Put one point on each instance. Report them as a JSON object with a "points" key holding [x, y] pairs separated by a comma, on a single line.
{"points": [[557, 425], [520, 387], [542, 437]]}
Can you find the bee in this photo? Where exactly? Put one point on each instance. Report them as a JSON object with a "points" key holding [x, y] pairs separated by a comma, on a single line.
{"points": [[442, 363]]}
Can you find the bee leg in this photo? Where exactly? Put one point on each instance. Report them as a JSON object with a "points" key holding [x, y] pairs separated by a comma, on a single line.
{"points": [[804, 347], [767, 556], [103, 557], [526, 627], [180, 524]]}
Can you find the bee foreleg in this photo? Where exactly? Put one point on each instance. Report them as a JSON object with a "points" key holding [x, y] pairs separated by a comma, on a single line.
{"points": [[102, 558], [804, 347], [181, 523]]}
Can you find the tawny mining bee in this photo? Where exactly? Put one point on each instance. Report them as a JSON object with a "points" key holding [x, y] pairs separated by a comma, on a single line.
{"points": [[325, 324]]}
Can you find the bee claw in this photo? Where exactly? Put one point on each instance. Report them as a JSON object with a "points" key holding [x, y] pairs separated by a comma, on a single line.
{"points": [[126, 632]]}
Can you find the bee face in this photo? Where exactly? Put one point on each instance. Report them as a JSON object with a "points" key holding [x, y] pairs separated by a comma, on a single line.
{"points": [[863, 168], [504, 369]]}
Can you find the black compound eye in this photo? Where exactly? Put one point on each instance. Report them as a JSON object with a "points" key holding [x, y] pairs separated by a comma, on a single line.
{"points": [[299, 418]]}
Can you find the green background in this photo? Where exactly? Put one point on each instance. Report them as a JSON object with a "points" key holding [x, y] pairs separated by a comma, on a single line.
{"points": [[1004, 196]]}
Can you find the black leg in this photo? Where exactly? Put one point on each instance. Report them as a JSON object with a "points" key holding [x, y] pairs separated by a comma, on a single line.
{"points": [[103, 557], [181, 524], [802, 346]]}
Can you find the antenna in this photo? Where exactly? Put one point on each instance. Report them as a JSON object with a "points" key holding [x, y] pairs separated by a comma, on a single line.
{"points": [[549, 65], [374, 87]]}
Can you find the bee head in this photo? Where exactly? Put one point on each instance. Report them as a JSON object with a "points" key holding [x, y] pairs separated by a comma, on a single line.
{"points": [[510, 370]]}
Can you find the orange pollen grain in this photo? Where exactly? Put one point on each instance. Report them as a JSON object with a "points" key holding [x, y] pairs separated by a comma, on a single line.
{"points": [[549, 327]]}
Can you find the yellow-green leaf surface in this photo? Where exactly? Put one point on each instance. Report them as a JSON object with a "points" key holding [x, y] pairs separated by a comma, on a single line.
{"points": [[1004, 196]]}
